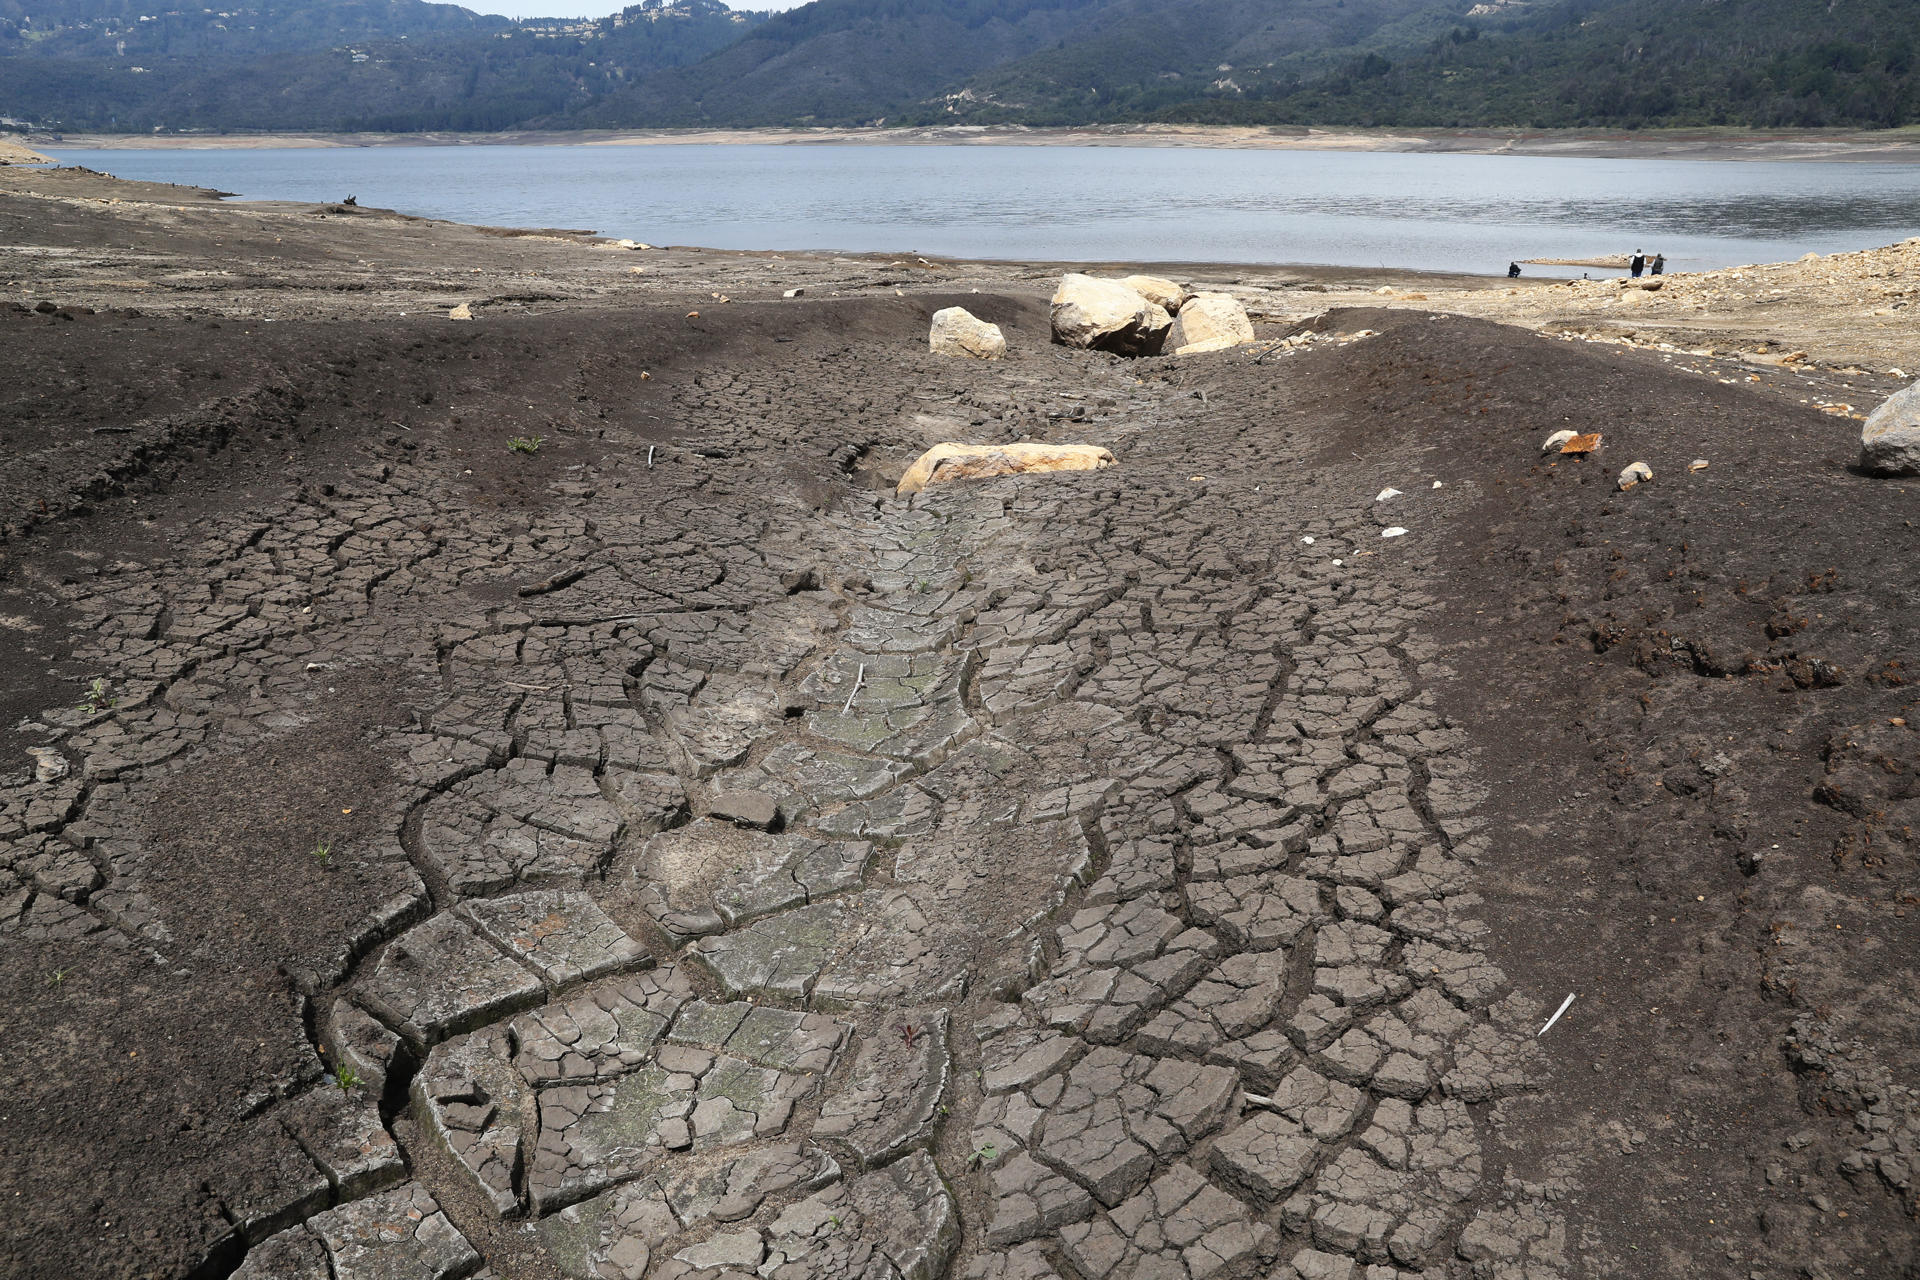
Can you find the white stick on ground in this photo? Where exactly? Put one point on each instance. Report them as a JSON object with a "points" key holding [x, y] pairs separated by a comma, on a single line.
{"points": [[650, 449], [858, 680], [1555, 1018]]}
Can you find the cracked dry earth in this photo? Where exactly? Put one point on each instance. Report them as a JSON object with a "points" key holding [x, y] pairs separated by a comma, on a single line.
{"points": [[670, 855]]}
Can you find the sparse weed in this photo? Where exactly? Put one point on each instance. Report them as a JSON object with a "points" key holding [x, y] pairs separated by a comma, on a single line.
{"points": [[983, 1154], [99, 697], [347, 1078], [322, 851], [525, 444], [57, 977], [907, 1032]]}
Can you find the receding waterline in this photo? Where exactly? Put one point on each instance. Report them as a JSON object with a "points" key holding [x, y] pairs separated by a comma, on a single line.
{"points": [[1448, 212]]}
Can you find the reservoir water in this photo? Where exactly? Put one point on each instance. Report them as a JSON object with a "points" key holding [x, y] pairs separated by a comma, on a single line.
{"points": [[1446, 212]]}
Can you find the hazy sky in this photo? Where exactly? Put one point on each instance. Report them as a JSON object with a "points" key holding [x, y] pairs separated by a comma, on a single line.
{"points": [[573, 9]]}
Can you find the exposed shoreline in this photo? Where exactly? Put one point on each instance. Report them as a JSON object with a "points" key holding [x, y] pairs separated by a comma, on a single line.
{"points": [[405, 618], [1898, 146]]}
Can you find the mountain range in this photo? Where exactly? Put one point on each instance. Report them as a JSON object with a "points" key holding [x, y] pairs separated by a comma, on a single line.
{"points": [[405, 65]]}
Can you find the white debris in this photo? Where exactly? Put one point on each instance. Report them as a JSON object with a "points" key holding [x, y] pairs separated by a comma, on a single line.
{"points": [[1438, 485], [858, 681], [1384, 494], [1308, 539], [1394, 532], [1556, 1016], [1555, 440], [1635, 473]]}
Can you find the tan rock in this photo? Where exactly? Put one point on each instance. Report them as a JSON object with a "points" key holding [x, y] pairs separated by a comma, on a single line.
{"points": [[958, 332], [945, 462], [461, 312], [1158, 290], [1106, 314], [1210, 322]]}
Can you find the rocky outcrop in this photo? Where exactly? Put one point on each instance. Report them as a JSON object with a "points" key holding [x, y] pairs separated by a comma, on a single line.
{"points": [[1890, 442], [958, 332], [1210, 322], [946, 462], [1108, 316]]}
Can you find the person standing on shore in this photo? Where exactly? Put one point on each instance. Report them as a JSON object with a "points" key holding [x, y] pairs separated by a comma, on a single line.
{"points": [[1638, 264], [1659, 267]]}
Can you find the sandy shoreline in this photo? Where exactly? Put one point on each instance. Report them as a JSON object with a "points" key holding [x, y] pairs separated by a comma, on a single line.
{"points": [[1883, 146]]}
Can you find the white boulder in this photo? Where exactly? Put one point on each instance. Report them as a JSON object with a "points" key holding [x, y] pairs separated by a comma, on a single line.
{"points": [[1106, 314], [1210, 322], [958, 332], [1160, 291], [1890, 442]]}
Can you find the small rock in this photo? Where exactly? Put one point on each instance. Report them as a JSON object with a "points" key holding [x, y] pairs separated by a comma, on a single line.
{"points": [[794, 293], [1555, 440], [48, 764], [958, 332], [1698, 464], [1890, 442], [461, 312], [746, 808], [1384, 494], [1394, 531], [1633, 474]]}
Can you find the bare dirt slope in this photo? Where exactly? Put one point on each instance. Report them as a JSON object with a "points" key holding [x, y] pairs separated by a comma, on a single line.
{"points": [[656, 850]]}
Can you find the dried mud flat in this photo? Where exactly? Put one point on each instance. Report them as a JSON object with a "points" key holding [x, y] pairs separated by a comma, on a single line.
{"points": [[667, 854]]}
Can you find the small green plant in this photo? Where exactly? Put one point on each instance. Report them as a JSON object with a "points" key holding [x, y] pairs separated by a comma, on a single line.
{"points": [[526, 444], [57, 977], [921, 586], [983, 1154], [834, 1218], [99, 697], [322, 851], [347, 1078]]}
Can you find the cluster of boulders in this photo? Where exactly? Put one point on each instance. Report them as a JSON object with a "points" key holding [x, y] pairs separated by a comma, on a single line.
{"points": [[1145, 315], [1132, 316]]}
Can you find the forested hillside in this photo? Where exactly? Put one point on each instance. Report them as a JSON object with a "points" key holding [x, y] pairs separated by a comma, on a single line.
{"points": [[1638, 63], [491, 74], [407, 65]]}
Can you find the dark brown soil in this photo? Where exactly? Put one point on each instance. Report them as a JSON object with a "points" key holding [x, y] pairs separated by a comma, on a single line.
{"points": [[1690, 701], [1696, 702]]}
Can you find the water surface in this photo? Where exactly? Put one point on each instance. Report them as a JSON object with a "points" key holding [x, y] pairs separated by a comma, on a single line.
{"points": [[1370, 209]]}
